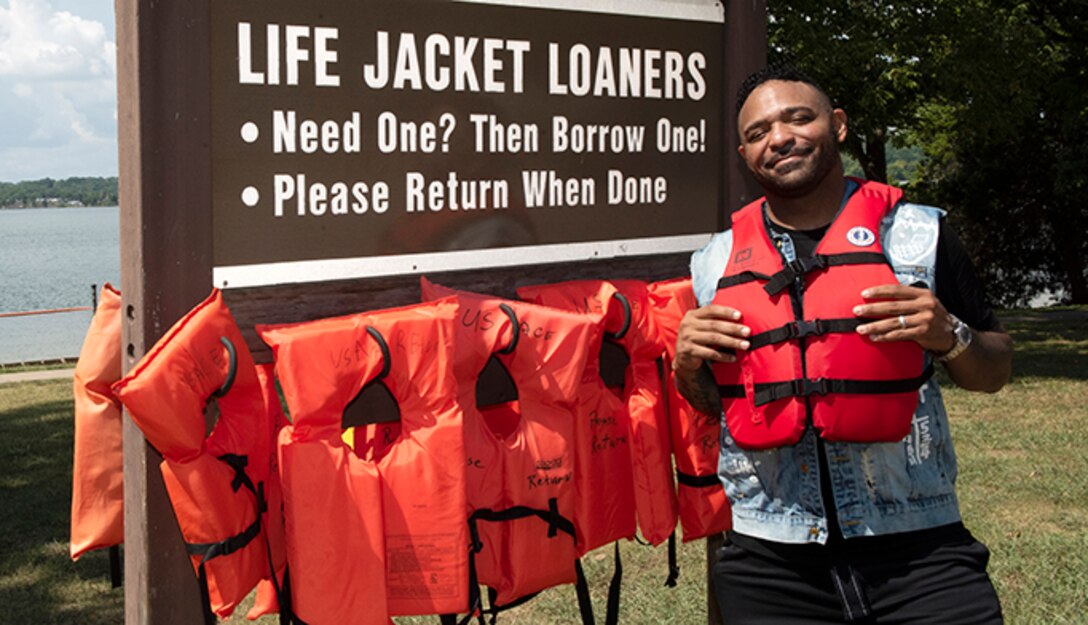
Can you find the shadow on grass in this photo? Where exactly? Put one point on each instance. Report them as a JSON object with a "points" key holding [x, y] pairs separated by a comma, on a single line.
{"points": [[1050, 344], [38, 581]]}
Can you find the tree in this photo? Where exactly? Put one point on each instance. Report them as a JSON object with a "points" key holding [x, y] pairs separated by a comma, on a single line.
{"points": [[1010, 154]]}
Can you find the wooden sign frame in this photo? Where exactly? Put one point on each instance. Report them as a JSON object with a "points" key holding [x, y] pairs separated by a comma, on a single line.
{"points": [[163, 69]]}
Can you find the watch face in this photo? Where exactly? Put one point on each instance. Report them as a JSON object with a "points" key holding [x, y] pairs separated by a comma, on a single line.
{"points": [[963, 332]]}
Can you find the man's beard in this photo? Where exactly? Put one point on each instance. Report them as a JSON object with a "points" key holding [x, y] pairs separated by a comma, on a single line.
{"points": [[826, 159]]}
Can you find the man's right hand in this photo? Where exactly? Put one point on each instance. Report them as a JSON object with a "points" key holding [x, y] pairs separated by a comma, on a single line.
{"points": [[706, 334]]}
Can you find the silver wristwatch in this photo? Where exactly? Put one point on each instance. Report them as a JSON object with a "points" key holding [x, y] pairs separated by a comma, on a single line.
{"points": [[963, 335]]}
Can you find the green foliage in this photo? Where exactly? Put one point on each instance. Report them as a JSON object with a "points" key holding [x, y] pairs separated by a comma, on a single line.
{"points": [[1011, 156], [67, 192]]}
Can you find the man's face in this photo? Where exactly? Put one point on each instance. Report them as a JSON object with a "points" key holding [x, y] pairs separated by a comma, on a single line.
{"points": [[789, 137]]}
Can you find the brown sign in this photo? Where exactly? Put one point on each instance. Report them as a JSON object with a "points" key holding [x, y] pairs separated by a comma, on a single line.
{"points": [[353, 139]]}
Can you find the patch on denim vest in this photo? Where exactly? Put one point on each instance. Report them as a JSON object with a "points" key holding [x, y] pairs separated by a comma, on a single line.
{"points": [[920, 439], [913, 238]]}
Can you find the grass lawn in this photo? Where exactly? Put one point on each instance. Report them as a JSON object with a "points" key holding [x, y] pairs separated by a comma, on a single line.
{"points": [[1023, 487]]}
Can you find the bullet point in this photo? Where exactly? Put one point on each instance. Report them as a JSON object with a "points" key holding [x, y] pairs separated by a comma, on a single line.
{"points": [[250, 132], [250, 196]]}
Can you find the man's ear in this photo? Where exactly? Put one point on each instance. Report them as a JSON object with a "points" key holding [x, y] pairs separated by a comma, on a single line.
{"points": [[838, 123], [740, 150]]}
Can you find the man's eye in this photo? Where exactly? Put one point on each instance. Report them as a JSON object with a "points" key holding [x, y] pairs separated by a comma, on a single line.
{"points": [[756, 136]]}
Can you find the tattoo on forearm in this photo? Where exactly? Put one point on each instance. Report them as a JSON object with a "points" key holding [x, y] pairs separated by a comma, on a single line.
{"points": [[701, 391]]}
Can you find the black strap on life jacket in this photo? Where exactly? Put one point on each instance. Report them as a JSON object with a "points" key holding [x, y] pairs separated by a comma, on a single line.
{"points": [[116, 574], [765, 393], [612, 613], [556, 523], [674, 563], [803, 328], [731, 391], [742, 278], [802, 266], [793, 269], [698, 481]]}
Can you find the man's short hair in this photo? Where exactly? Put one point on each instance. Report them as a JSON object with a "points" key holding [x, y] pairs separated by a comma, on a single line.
{"points": [[778, 71]]}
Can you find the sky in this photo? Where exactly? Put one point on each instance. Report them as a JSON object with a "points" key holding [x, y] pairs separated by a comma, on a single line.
{"points": [[58, 89]]}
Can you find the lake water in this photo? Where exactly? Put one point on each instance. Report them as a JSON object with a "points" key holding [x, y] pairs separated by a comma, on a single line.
{"points": [[49, 258]]}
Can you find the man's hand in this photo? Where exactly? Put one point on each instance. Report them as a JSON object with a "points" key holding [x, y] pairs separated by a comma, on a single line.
{"points": [[906, 313], [706, 334]]}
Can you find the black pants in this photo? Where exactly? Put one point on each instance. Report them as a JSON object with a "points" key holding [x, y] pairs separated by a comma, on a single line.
{"points": [[943, 584]]}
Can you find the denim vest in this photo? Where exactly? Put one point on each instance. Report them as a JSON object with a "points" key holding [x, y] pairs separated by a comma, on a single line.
{"points": [[878, 489]]}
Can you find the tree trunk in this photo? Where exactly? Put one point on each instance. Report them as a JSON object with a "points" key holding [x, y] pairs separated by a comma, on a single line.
{"points": [[875, 163]]}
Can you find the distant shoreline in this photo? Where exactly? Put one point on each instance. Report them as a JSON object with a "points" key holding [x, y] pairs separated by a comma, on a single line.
{"points": [[85, 192], [18, 208]]}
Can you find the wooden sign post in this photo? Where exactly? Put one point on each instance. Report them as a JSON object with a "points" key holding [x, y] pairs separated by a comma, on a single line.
{"points": [[313, 159]]}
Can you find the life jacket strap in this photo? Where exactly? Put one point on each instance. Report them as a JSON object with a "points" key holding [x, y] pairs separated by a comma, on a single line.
{"points": [[766, 393], [799, 267], [227, 546], [116, 574], [742, 278], [556, 521], [730, 391], [241, 478], [674, 563], [698, 481], [581, 589], [612, 613], [803, 328]]}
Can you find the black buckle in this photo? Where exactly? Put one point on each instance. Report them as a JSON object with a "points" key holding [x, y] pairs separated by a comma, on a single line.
{"points": [[801, 266], [805, 387], [796, 267], [805, 327]]}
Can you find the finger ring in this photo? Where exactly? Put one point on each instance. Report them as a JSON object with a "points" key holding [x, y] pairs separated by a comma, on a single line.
{"points": [[902, 322]]}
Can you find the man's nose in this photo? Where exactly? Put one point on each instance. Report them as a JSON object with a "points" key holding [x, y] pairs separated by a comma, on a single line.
{"points": [[779, 138]]}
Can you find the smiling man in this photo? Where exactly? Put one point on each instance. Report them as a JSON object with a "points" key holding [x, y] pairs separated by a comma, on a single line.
{"points": [[822, 312]]}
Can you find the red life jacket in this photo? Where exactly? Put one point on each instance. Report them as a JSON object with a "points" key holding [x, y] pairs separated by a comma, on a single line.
{"points": [[623, 459], [704, 508], [97, 485], [858, 390], [381, 532], [520, 453], [217, 484]]}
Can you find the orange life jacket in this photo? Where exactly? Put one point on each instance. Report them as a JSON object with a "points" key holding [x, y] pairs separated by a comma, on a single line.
{"points": [[857, 390], [636, 433], [704, 508], [384, 532], [520, 454], [97, 485], [217, 484]]}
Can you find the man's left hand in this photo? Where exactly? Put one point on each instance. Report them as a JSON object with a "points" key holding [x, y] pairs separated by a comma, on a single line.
{"points": [[905, 313]]}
